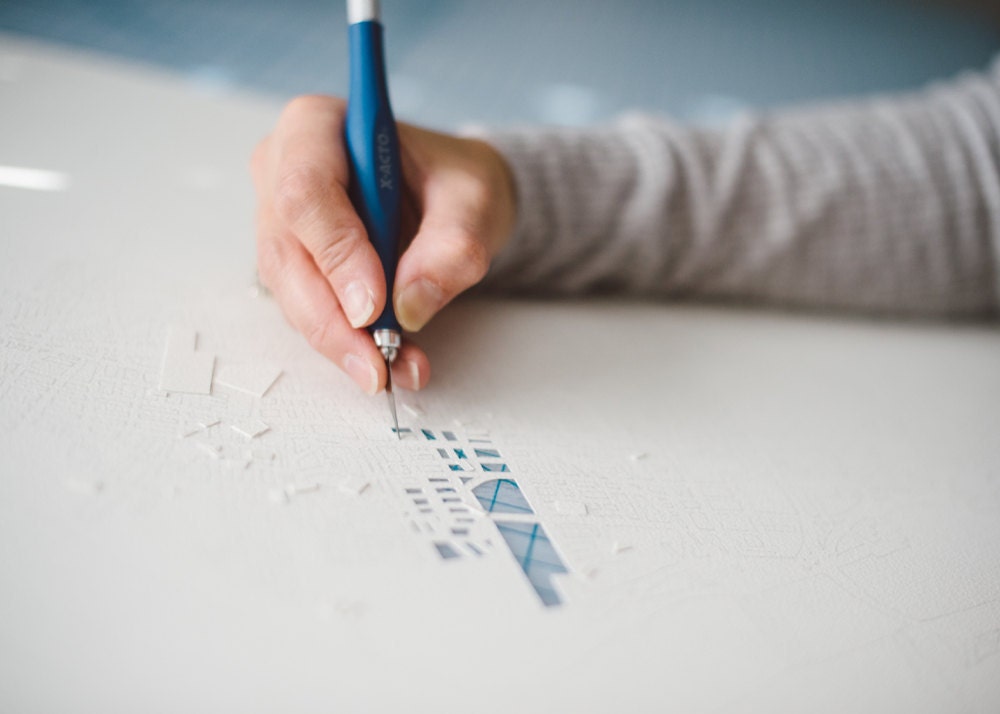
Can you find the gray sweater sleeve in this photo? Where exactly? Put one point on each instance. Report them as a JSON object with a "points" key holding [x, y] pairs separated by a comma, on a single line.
{"points": [[889, 206]]}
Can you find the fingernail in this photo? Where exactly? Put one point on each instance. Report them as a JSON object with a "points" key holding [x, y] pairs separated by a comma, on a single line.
{"points": [[417, 304], [407, 374], [358, 303], [362, 372]]}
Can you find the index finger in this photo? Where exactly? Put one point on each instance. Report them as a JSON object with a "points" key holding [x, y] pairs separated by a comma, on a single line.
{"points": [[308, 186]]}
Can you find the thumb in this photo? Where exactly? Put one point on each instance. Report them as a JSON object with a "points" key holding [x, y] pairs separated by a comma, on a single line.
{"points": [[463, 225]]}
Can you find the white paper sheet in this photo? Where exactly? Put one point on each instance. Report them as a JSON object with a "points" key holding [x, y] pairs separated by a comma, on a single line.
{"points": [[780, 513]]}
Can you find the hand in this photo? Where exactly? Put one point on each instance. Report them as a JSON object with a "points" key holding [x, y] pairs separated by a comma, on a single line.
{"points": [[313, 253]]}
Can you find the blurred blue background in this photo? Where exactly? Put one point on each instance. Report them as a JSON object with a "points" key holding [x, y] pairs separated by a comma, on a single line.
{"points": [[455, 62]]}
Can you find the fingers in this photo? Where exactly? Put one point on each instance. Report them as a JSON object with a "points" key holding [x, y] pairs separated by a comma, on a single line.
{"points": [[309, 198], [314, 254], [311, 307], [467, 208], [444, 259], [412, 369]]}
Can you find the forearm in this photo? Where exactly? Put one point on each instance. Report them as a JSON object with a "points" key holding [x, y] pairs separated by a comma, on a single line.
{"points": [[887, 206]]}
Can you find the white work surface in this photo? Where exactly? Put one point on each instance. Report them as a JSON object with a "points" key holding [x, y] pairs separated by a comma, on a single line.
{"points": [[759, 512]]}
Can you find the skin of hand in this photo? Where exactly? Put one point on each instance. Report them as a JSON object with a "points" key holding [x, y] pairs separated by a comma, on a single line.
{"points": [[313, 253]]}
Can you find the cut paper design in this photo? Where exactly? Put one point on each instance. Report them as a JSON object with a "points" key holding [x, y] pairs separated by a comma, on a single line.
{"points": [[446, 551], [534, 552], [501, 496], [442, 511]]}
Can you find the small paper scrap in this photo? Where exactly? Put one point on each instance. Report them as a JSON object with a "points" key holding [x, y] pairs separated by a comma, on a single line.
{"points": [[277, 495], [413, 410], [354, 485], [211, 449], [294, 489], [251, 430], [190, 431], [199, 426], [249, 378], [184, 369], [259, 455]]}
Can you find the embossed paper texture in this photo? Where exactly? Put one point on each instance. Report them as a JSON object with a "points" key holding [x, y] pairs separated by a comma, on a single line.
{"points": [[594, 506]]}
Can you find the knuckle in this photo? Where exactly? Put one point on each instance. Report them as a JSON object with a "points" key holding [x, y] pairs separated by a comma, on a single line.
{"points": [[481, 185], [299, 192], [307, 107], [318, 335], [480, 192], [304, 104], [345, 240], [471, 254]]}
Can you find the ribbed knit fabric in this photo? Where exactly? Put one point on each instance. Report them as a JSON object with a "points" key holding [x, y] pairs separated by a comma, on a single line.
{"points": [[889, 206]]}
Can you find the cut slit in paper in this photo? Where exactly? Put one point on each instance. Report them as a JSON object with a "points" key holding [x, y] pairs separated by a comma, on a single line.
{"points": [[446, 551], [249, 378]]}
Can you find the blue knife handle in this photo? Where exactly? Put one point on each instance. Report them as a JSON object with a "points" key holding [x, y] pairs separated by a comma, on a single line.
{"points": [[373, 148]]}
